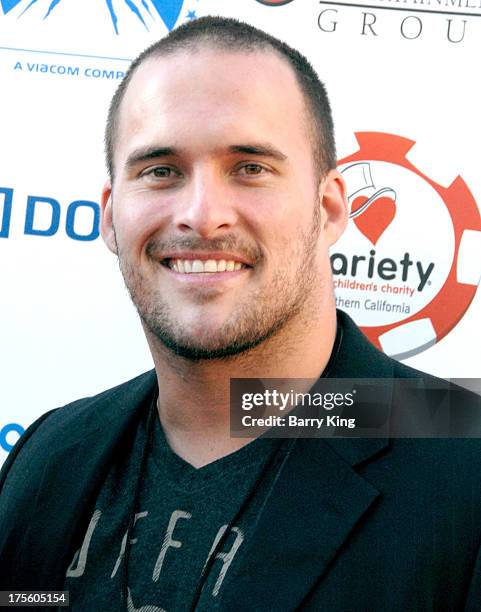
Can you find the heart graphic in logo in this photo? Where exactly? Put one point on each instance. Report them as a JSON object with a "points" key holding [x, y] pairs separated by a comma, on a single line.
{"points": [[8, 5], [377, 217]]}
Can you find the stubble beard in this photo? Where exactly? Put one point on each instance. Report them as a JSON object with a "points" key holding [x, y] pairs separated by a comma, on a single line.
{"points": [[261, 315]]}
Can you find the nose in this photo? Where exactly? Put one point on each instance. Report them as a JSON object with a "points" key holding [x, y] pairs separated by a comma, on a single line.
{"points": [[207, 208]]}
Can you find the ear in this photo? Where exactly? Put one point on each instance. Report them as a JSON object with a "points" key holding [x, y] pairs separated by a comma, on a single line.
{"points": [[106, 221], [334, 207]]}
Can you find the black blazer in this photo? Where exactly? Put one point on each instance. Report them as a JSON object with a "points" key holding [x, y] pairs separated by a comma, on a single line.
{"points": [[351, 525]]}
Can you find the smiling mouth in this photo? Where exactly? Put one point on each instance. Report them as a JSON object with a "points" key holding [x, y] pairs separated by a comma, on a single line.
{"points": [[202, 266]]}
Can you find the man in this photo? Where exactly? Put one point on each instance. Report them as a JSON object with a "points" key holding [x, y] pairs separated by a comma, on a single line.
{"points": [[222, 203]]}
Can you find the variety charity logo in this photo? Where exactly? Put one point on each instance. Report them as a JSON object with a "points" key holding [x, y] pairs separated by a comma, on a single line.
{"points": [[408, 265], [144, 10]]}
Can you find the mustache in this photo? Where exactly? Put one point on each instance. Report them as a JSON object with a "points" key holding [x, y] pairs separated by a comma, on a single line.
{"points": [[228, 243]]}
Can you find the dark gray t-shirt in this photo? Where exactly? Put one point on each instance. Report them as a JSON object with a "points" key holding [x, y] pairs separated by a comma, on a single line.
{"points": [[187, 531]]}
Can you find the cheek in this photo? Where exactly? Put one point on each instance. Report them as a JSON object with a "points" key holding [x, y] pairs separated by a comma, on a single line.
{"points": [[135, 223], [284, 229], [273, 213]]}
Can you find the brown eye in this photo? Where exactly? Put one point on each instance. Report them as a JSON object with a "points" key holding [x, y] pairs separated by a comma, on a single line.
{"points": [[162, 172], [253, 169]]}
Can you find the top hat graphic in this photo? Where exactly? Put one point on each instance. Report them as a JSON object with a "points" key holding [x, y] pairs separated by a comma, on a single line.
{"points": [[359, 183]]}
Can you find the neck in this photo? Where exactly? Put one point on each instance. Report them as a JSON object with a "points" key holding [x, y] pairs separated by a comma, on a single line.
{"points": [[194, 396]]}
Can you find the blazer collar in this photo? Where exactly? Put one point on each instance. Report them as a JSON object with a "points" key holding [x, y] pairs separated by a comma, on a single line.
{"points": [[357, 358]]}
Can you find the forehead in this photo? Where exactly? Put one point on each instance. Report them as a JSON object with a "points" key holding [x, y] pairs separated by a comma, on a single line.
{"points": [[211, 93]]}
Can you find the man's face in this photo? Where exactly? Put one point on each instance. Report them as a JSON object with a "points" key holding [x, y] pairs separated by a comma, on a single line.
{"points": [[215, 210]]}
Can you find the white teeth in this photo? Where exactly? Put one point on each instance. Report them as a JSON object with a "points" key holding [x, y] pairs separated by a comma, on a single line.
{"points": [[189, 266], [210, 265], [197, 266]]}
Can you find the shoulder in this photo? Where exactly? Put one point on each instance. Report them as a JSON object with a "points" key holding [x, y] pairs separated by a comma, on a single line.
{"points": [[421, 402], [357, 357], [105, 405], [63, 426]]}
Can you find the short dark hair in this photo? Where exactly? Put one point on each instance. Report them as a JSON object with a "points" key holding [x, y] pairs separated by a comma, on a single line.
{"points": [[231, 34]]}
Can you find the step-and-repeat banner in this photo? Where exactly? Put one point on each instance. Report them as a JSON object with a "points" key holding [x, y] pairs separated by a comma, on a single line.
{"points": [[406, 99]]}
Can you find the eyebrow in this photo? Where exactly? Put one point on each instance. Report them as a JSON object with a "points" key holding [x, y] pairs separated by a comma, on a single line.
{"points": [[262, 150], [149, 153]]}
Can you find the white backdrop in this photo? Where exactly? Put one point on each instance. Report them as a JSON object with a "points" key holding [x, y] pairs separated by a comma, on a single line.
{"points": [[67, 328]]}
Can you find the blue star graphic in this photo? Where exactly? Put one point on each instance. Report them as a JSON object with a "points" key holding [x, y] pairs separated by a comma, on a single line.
{"points": [[191, 15], [144, 10]]}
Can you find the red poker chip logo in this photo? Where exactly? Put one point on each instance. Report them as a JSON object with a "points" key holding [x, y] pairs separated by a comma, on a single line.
{"points": [[274, 2], [409, 264]]}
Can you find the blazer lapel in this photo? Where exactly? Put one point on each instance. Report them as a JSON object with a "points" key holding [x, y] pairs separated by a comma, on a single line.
{"points": [[315, 504]]}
